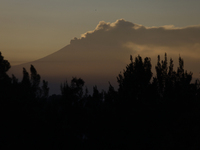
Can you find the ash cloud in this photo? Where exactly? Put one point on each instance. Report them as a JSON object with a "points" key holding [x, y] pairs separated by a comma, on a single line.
{"points": [[122, 33]]}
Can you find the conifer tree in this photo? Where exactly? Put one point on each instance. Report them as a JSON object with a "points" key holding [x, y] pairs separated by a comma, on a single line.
{"points": [[5, 81], [135, 79]]}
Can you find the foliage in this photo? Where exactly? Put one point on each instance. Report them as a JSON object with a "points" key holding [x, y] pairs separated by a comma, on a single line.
{"points": [[145, 112]]}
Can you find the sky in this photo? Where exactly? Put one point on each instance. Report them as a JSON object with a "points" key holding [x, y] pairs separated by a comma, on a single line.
{"points": [[30, 30]]}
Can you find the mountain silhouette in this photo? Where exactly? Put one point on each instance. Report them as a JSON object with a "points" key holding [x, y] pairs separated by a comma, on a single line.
{"points": [[94, 66], [99, 55]]}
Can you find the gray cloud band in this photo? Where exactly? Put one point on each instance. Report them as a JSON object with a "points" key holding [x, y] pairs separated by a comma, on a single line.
{"points": [[123, 31]]}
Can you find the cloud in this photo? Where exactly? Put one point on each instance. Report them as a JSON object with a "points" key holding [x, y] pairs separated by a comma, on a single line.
{"points": [[123, 32]]}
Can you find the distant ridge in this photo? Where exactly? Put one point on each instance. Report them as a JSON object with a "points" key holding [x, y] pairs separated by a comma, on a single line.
{"points": [[93, 67]]}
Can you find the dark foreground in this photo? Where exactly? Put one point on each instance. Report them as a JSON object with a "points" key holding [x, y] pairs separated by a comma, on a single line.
{"points": [[145, 112]]}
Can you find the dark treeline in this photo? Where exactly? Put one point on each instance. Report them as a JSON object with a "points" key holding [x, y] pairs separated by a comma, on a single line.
{"points": [[145, 112]]}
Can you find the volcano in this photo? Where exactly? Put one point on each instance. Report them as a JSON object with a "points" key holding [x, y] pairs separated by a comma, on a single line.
{"points": [[95, 66], [98, 56]]}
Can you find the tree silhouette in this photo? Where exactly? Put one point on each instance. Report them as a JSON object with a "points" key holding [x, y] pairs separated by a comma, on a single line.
{"points": [[74, 92], [144, 113], [35, 81], [45, 89], [111, 96], [173, 85], [5, 81], [4, 66], [135, 79], [30, 85]]}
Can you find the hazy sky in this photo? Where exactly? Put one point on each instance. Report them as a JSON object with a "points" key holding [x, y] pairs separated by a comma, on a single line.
{"points": [[30, 30]]}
